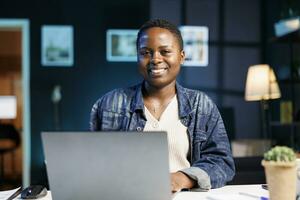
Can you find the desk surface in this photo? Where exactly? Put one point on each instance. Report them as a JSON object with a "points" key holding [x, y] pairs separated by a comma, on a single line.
{"points": [[229, 192]]}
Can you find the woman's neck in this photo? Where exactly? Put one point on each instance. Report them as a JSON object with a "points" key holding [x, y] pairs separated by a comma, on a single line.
{"points": [[157, 99], [159, 94]]}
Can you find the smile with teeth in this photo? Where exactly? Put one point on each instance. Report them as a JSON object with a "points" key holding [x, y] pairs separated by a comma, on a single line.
{"points": [[157, 71]]}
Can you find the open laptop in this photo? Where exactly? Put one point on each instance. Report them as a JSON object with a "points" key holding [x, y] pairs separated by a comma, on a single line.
{"points": [[107, 165]]}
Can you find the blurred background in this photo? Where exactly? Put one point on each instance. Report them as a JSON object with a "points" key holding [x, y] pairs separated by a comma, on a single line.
{"points": [[59, 98]]}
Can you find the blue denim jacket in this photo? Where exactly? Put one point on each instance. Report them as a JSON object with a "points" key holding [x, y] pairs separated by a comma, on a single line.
{"points": [[123, 110]]}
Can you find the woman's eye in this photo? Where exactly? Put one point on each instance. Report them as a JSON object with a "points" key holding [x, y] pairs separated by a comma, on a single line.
{"points": [[164, 52], [144, 53]]}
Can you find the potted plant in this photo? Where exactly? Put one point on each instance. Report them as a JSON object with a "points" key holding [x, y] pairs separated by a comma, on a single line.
{"points": [[280, 170]]}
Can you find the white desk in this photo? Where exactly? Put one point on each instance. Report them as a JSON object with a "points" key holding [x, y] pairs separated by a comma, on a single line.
{"points": [[229, 192]]}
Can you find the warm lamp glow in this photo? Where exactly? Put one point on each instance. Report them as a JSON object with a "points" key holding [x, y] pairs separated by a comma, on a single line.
{"points": [[8, 107], [261, 84]]}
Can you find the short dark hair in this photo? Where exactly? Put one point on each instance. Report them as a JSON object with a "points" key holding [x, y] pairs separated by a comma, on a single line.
{"points": [[160, 23]]}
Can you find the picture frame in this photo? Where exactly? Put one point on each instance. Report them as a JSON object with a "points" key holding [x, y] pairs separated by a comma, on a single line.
{"points": [[121, 45], [57, 45], [195, 39]]}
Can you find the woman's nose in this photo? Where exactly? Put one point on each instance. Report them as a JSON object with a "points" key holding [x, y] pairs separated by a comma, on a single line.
{"points": [[156, 57]]}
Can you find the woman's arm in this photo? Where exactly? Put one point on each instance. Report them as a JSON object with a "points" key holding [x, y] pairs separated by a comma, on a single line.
{"points": [[211, 154]]}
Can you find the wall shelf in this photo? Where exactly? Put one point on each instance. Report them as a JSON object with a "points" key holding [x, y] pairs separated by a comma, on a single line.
{"points": [[291, 37]]}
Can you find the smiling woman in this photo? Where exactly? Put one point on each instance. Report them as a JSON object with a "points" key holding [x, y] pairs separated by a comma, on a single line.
{"points": [[199, 151], [159, 59]]}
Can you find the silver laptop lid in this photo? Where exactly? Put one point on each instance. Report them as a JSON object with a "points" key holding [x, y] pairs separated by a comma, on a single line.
{"points": [[107, 165]]}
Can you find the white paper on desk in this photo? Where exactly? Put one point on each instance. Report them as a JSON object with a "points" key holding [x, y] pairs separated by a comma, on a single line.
{"points": [[228, 197], [5, 194]]}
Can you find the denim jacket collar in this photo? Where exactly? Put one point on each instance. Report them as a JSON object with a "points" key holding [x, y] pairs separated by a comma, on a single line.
{"points": [[185, 107], [138, 101], [184, 103]]}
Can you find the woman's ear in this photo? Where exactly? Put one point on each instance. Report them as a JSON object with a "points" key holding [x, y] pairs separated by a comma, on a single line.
{"points": [[182, 55]]}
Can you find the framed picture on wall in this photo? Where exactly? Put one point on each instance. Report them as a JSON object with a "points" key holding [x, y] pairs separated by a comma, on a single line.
{"points": [[57, 46], [121, 45], [195, 39]]}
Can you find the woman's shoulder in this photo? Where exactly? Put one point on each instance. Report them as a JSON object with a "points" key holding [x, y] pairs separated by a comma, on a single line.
{"points": [[198, 100], [196, 95], [118, 95], [120, 92]]}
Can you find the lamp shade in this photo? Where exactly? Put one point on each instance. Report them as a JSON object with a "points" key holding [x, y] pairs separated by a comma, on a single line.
{"points": [[8, 107], [261, 84]]}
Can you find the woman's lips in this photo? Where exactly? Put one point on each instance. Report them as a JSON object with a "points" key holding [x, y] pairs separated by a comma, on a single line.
{"points": [[157, 72]]}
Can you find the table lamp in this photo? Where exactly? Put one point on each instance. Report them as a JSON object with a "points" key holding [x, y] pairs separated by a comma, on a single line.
{"points": [[261, 85], [8, 107]]}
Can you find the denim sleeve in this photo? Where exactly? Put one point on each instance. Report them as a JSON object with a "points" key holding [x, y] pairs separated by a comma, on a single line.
{"points": [[215, 154], [95, 118], [200, 176]]}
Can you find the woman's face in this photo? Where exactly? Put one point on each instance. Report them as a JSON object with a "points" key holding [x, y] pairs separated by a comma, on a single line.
{"points": [[159, 57]]}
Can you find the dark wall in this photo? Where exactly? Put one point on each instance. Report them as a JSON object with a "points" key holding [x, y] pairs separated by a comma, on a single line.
{"points": [[90, 77]]}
